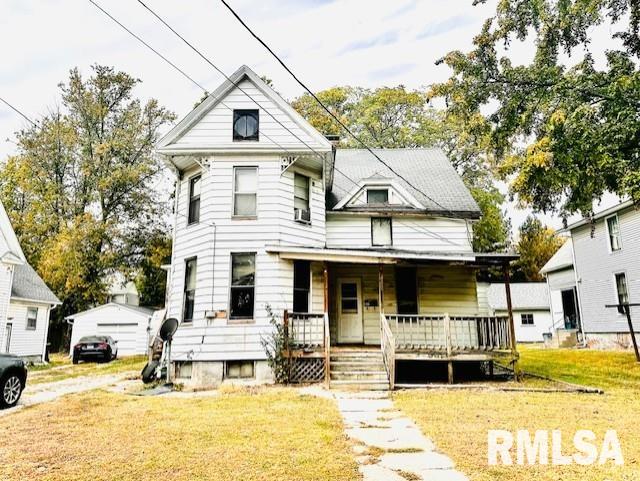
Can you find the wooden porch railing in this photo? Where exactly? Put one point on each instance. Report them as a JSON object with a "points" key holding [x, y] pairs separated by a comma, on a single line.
{"points": [[441, 332], [388, 347], [308, 330]]}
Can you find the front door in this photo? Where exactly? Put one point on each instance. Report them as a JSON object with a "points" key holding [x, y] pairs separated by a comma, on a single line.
{"points": [[350, 329], [7, 337]]}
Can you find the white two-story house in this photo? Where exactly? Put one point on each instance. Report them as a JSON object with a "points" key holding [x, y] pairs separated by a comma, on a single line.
{"points": [[355, 256]]}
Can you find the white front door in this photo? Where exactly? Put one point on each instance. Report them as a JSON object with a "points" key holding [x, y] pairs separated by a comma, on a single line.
{"points": [[350, 327]]}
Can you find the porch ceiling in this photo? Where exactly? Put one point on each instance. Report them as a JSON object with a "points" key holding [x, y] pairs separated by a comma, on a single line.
{"points": [[386, 256]]}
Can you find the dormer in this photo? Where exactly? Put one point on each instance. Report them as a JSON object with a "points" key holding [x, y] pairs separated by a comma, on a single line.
{"points": [[378, 193]]}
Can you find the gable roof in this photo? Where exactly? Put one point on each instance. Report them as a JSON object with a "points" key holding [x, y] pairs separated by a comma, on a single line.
{"points": [[562, 259], [10, 250], [143, 311], [441, 190], [28, 285], [524, 295], [164, 145], [599, 215]]}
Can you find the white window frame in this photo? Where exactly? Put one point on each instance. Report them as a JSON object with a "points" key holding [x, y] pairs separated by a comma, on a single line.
{"points": [[35, 326], [606, 223], [189, 196], [615, 289], [184, 290], [381, 188], [373, 244], [234, 192], [533, 319], [242, 320], [309, 190]]}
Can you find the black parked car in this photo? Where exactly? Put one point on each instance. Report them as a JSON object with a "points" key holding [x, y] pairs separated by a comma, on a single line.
{"points": [[97, 348], [13, 378]]}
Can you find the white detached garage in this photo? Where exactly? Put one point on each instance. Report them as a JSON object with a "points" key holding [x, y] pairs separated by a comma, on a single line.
{"points": [[128, 325]]}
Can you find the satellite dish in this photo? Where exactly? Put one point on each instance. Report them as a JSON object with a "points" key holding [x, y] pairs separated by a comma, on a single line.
{"points": [[168, 329]]}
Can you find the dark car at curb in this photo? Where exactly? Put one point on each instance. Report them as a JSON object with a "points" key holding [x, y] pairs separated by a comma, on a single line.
{"points": [[95, 348], [13, 379]]}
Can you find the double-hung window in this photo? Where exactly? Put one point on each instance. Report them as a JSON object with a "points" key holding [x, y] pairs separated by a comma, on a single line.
{"points": [[381, 231], [245, 191], [32, 318], [194, 199], [613, 229], [622, 291], [526, 319], [301, 193], [190, 269], [243, 275], [301, 285]]}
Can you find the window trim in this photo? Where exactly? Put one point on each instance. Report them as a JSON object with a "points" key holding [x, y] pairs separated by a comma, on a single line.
{"points": [[239, 361], [606, 223], [35, 326], [527, 324], [184, 290], [371, 219], [235, 115], [235, 216], [242, 320], [189, 198], [379, 188], [309, 190], [615, 291]]}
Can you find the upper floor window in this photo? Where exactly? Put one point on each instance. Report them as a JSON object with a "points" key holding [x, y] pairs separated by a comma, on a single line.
{"points": [[243, 275], [526, 319], [245, 125], [301, 196], [245, 191], [377, 196], [194, 199], [613, 229], [381, 231], [32, 318], [622, 291], [190, 268]]}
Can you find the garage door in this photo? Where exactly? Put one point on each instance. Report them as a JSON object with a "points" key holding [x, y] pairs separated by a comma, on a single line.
{"points": [[125, 334]]}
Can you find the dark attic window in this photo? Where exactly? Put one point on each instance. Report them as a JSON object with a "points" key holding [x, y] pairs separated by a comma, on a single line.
{"points": [[245, 125]]}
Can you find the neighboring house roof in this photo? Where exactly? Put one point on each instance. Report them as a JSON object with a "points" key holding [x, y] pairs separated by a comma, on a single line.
{"points": [[525, 295], [439, 188], [146, 311], [10, 249], [28, 285], [611, 210], [562, 259]]}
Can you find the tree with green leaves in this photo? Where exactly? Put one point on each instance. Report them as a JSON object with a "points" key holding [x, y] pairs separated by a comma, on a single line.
{"points": [[536, 245], [79, 191], [564, 126]]}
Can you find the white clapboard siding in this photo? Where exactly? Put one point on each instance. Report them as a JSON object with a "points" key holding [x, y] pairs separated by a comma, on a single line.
{"points": [[27, 342], [542, 322], [595, 269], [6, 277], [215, 128], [410, 233]]}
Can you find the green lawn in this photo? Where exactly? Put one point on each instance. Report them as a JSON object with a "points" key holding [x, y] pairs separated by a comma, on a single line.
{"points": [[458, 421], [61, 368], [249, 435]]}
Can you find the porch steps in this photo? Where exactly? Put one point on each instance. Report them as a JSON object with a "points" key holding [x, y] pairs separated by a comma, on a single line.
{"points": [[358, 369]]}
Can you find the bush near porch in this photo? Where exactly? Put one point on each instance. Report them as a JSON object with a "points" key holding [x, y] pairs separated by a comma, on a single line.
{"points": [[264, 434], [458, 421]]}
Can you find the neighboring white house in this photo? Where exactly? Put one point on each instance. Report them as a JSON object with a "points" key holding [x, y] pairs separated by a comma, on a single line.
{"points": [[25, 300], [129, 325], [606, 262], [530, 304], [122, 291], [347, 250], [563, 295]]}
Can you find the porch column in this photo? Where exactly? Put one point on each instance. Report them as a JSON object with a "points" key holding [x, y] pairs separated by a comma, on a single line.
{"points": [[380, 288], [512, 327], [327, 337], [325, 274]]}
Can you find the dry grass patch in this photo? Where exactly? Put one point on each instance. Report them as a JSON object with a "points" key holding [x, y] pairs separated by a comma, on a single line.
{"points": [[274, 434], [61, 368], [458, 421]]}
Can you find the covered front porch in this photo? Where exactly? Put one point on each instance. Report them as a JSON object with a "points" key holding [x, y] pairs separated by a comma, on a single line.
{"points": [[413, 307]]}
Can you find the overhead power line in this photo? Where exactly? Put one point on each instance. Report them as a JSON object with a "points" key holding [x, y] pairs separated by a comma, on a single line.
{"points": [[326, 109], [18, 112]]}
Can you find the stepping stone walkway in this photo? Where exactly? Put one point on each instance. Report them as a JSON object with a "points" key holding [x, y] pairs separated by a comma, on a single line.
{"points": [[388, 445]]}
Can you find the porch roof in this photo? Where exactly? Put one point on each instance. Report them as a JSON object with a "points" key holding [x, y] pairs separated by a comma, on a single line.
{"points": [[386, 256]]}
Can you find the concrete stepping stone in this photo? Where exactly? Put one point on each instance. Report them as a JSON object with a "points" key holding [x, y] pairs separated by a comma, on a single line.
{"points": [[375, 472], [420, 463], [391, 438], [364, 405]]}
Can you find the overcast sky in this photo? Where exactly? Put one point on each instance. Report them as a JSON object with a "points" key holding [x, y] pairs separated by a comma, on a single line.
{"points": [[343, 42]]}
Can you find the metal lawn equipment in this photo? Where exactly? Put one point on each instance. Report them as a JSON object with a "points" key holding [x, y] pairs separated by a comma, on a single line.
{"points": [[159, 365]]}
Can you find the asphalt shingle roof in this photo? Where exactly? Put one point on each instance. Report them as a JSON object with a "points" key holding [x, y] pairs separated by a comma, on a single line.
{"points": [[439, 187], [525, 295], [27, 284], [562, 259]]}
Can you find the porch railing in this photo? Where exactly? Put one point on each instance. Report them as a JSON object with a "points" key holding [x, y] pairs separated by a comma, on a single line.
{"points": [[449, 333], [308, 330], [388, 346]]}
